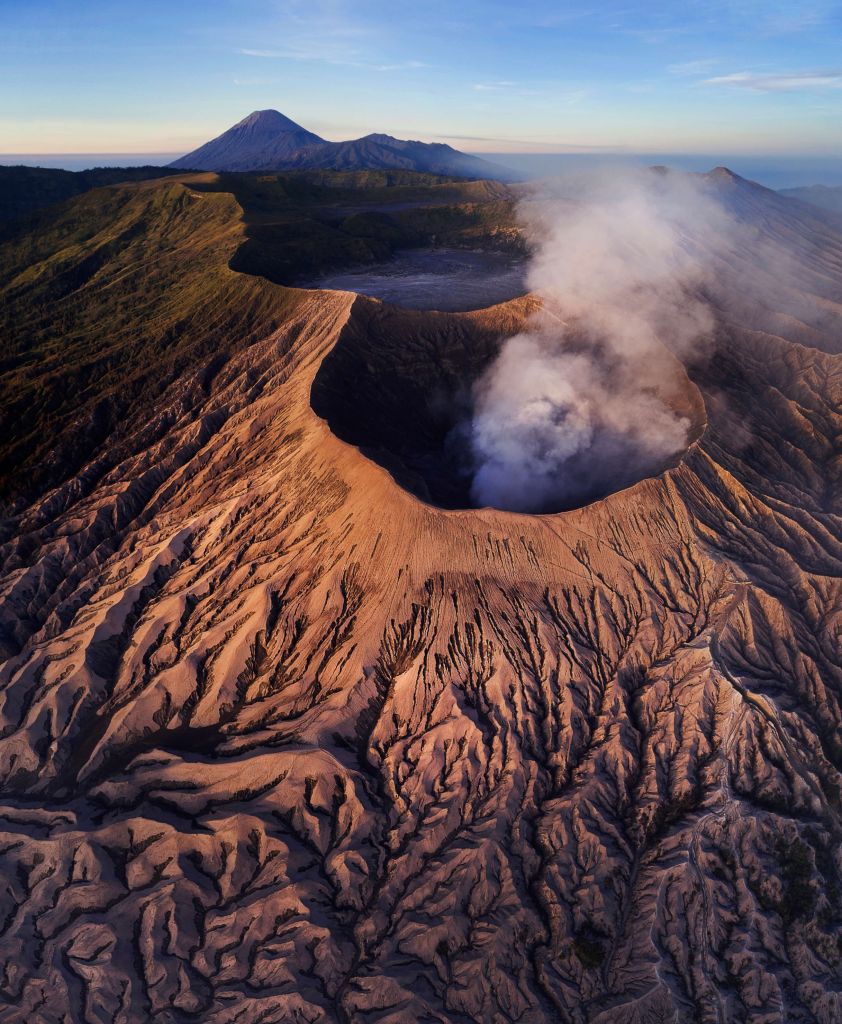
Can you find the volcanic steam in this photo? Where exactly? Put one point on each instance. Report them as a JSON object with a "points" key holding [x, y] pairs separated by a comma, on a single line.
{"points": [[576, 406]]}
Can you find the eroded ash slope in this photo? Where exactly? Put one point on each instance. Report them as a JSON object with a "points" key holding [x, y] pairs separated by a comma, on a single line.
{"points": [[281, 742]]}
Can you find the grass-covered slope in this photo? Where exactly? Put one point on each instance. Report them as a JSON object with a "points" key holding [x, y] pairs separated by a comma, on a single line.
{"points": [[26, 189], [104, 304]]}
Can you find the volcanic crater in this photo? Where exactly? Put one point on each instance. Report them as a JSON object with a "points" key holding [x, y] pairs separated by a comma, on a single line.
{"points": [[399, 385]]}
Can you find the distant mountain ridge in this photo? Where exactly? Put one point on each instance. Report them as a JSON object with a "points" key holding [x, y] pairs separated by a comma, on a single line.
{"points": [[267, 140], [826, 197]]}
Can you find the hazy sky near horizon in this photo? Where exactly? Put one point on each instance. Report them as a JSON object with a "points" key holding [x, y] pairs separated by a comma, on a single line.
{"points": [[166, 75]]}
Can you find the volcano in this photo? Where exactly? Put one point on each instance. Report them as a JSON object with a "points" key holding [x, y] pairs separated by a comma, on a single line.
{"points": [[283, 738], [268, 141], [263, 139]]}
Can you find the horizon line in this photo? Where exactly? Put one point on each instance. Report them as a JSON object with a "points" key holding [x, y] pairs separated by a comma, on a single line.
{"points": [[584, 151]]}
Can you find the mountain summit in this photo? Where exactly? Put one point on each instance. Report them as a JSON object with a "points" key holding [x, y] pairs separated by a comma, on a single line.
{"points": [[264, 139], [267, 140], [270, 121]]}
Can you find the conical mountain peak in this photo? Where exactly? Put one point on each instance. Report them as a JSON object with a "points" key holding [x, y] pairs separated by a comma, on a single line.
{"points": [[269, 120]]}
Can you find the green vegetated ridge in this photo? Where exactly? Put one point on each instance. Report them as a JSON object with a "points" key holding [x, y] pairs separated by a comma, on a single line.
{"points": [[26, 189], [108, 298], [106, 301]]}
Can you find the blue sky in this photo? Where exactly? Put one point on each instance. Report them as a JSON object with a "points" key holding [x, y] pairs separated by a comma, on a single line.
{"points": [[696, 76]]}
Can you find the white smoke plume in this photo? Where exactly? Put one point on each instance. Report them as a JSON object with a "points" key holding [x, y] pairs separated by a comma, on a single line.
{"points": [[573, 408]]}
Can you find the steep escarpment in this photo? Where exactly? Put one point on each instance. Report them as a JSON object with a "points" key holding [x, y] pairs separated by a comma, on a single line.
{"points": [[281, 741]]}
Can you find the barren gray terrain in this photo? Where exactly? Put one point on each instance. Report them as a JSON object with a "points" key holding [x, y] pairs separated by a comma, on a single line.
{"points": [[452, 280]]}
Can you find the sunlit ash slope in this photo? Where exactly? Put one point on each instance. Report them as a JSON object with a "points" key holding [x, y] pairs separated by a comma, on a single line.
{"points": [[281, 742]]}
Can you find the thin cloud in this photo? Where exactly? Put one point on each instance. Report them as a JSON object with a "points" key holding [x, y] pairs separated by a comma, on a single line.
{"points": [[787, 22], [640, 88], [256, 80], [493, 86], [545, 90], [657, 36], [801, 81], [404, 65], [322, 31], [692, 67], [548, 147]]}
